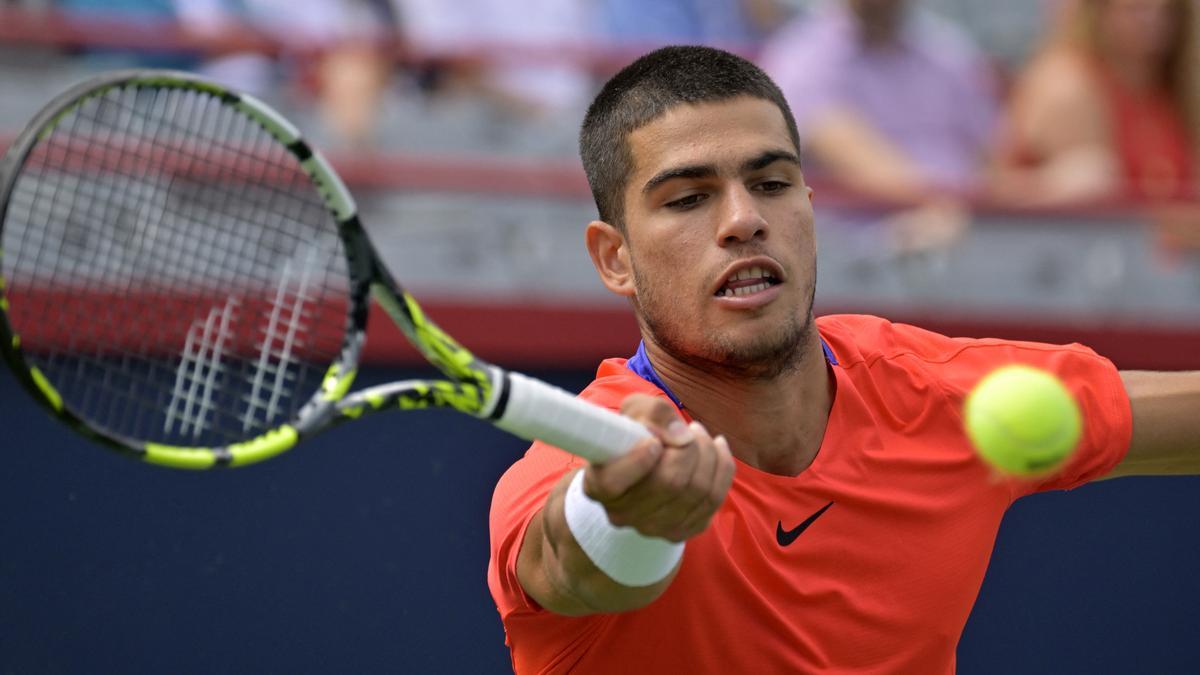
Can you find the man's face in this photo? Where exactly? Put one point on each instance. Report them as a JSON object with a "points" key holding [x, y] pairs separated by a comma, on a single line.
{"points": [[719, 228]]}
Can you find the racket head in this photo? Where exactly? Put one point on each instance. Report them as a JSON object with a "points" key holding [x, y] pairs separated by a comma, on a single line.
{"points": [[175, 278]]}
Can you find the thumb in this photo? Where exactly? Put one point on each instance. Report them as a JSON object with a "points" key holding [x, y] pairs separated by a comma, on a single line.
{"points": [[608, 481]]}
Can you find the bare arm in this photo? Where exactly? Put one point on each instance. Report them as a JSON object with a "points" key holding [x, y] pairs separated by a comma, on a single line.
{"points": [[864, 160], [1166, 424], [669, 486], [1059, 120]]}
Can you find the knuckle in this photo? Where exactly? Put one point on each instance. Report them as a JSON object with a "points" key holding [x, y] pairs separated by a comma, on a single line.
{"points": [[661, 409], [652, 411], [648, 452], [635, 403], [673, 481]]}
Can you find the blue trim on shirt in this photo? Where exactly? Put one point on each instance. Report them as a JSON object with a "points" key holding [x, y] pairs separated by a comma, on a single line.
{"points": [[640, 364], [828, 353]]}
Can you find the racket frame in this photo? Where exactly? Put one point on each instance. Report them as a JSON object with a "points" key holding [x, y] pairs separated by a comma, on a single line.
{"points": [[521, 405]]}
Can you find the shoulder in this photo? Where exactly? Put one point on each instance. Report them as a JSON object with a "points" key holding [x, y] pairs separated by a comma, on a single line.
{"points": [[861, 339], [615, 381], [808, 45], [870, 342], [1060, 79]]}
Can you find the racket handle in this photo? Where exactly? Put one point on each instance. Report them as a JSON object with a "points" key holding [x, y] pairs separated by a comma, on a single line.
{"points": [[540, 411]]}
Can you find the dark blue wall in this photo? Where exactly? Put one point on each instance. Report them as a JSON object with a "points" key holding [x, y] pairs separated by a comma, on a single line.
{"points": [[365, 551]]}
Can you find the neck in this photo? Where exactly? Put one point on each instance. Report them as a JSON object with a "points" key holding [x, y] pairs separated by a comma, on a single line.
{"points": [[749, 411]]}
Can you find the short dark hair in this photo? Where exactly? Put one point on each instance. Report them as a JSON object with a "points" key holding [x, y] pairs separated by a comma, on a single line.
{"points": [[648, 88]]}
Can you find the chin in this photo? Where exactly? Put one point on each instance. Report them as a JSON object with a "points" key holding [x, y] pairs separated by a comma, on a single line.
{"points": [[751, 351], [764, 355]]}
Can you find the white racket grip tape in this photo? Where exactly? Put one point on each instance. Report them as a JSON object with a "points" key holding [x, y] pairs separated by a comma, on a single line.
{"points": [[537, 410], [625, 555]]}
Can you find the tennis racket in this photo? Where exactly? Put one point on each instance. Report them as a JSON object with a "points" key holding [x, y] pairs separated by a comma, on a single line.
{"points": [[183, 279]]}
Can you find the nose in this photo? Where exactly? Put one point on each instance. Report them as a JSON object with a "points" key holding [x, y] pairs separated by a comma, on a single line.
{"points": [[741, 220]]}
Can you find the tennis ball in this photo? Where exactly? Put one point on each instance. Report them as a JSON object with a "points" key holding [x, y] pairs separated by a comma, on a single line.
{"points": [[1023, 421]]}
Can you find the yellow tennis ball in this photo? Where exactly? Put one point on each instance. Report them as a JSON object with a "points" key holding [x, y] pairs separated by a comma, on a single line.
{"points": [[1023, 421]]}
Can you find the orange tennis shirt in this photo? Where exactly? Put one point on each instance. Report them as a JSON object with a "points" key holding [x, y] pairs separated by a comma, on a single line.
{"points": [[881, 581]]}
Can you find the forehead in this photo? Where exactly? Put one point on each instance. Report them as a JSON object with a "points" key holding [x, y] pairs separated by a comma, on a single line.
{"points": [[717, 133]]}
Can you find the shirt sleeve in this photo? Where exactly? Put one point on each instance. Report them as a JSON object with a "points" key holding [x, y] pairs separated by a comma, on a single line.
{"points": [[518, 497], [805, 60], [1091, 378], [1107, 420]]}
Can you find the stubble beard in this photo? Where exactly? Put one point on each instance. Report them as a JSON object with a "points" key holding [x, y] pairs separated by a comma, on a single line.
{"points": [[768, 356]]}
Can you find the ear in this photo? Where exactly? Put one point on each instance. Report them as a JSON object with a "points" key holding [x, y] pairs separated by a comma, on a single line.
{"points": [[610, 255]]}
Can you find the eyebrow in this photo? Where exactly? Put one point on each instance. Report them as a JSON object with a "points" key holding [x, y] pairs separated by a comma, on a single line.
{"points": [[756, 163]]}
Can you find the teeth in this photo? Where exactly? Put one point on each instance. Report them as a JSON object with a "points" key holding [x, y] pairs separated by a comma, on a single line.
{"points": [[755, 272], [745, 290], [750, 273]]}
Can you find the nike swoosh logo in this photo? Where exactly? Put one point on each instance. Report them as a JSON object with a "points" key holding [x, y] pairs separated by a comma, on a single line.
{"points": [[786, 537]]}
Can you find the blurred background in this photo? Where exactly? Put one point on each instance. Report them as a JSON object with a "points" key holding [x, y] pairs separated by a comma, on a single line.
{"points": [[1022, 169]]}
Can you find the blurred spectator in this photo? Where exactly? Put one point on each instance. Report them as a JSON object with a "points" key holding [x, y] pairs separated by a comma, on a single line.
{"points": [[513, 54], [727, 23], [154, 13], [1007, 31], [893, 103], [134, 9], [339, 47], [1108, 108]]}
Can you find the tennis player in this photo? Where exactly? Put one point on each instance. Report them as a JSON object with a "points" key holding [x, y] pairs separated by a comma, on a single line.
{"points": [[835, 516]]}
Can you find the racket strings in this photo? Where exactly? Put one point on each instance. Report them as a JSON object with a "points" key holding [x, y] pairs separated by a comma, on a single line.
{"points": [[176, 267]]}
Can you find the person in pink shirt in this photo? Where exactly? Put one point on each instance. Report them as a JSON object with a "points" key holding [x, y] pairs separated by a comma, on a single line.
{"points": [[893, 103]]}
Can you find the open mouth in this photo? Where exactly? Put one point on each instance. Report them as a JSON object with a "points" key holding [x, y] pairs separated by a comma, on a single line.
{"points": [[748, 281]]}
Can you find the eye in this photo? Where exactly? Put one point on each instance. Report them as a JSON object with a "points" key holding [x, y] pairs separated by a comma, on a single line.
{"points": [[686, 202], [772, 186]]}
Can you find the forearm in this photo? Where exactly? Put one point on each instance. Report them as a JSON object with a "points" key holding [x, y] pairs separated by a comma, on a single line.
{"points": [[1166, 423], [560, 576], [862, 159]]}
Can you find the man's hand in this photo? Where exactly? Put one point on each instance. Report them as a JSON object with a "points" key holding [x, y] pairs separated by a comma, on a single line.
{"points": [[669, 486]]}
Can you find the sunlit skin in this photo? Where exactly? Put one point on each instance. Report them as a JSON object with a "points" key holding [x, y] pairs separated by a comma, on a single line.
{"points": [[715, 188]]}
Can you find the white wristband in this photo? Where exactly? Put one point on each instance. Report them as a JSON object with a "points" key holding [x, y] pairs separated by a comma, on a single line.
{"points": [[624, 554]]}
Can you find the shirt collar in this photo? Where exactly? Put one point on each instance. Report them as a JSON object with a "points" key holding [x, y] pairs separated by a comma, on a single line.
{"points": [[640, 364]]}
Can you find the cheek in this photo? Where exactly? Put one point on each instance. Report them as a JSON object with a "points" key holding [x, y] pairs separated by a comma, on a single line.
{"points": [[800, 234], [671, 260]]}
